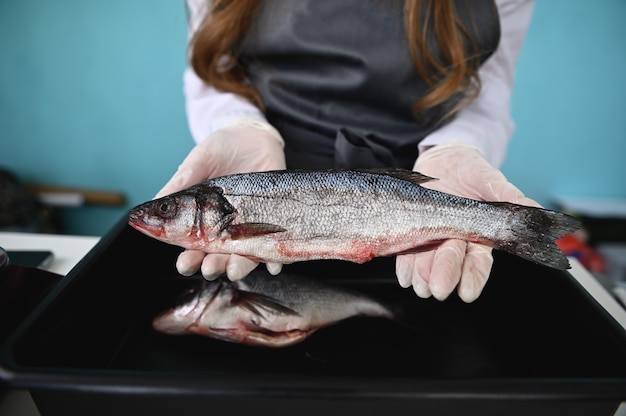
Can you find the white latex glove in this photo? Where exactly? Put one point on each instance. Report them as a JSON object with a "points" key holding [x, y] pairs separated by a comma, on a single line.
{"points": [[461, 170], [247, 145]]}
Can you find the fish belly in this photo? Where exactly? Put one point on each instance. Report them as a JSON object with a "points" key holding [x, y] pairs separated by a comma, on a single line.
{"points": [[358, 228]]}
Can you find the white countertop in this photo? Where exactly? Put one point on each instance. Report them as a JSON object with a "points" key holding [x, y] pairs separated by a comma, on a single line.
{"points": [[69, 250]]}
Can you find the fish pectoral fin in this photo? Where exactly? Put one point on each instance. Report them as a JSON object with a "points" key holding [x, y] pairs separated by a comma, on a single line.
{"points": [[252, 229], [399, 173], [431, 245], [258, 304]]}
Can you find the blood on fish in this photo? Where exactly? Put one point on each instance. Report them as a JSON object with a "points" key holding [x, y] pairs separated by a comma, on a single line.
{"points": [[364, 251]]}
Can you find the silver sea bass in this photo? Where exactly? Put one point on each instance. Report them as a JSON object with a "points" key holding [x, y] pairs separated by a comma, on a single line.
{"points": [[265, 310], [354, 215]]}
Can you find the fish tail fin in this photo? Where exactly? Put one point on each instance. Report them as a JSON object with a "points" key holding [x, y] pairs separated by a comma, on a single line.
{"points": [[533, 235]]}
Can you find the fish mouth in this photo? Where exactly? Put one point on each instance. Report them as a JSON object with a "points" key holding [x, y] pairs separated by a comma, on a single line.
{"points": [[139, 219], [134, 218], [135, 215]]}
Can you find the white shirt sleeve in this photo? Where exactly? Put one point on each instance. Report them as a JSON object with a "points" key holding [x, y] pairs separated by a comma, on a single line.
{"points": [[486, 122], [207, 108]]}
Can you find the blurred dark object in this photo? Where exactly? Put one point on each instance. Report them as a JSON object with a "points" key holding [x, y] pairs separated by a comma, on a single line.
{"points": [[63, 196], [21, 211], [21, 289], [604, 219], [605, 230], [39, 259]]}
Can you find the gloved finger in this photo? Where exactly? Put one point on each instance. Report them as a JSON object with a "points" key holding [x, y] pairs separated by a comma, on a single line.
{"points": [[424, 264], [214, 265], [274, 268], [502, 190], [189, 262], [407, 272], [446, 269], [404, 269], [239, 267], [420, 287], [421, 273], [517, 197], [476, 270], [493, 186], [190, 172]]}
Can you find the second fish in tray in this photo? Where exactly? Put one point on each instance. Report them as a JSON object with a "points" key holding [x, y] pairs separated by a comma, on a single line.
{"points": [[264, 310]]}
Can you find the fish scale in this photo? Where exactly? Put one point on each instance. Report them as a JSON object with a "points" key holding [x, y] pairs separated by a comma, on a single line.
{"points": [[354, 215], [348, 215]]}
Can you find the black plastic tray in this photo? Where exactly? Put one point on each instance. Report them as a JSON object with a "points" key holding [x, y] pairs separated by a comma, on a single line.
{"points": [[535, 341]]}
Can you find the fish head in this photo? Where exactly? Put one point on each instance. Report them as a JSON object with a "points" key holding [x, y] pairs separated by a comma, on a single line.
{"points": [[169, 218], [189, 218], [186, 309]]}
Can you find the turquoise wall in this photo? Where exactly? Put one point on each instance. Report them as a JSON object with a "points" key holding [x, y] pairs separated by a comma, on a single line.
{"points": [[91, 96], [569, 102]]}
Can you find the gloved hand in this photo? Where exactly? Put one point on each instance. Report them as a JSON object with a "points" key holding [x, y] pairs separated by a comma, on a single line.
{"points": [[244, 146], [461, 170]]}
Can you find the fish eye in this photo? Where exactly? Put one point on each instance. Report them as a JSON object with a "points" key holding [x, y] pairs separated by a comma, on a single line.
{"points": [[166, 208]]}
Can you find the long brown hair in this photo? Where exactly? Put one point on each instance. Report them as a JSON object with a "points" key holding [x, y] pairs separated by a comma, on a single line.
{"points": [[454, 70]]}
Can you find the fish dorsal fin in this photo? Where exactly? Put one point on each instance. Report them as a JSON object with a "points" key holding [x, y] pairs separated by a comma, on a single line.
{"points": [[258, 304], [399, 173], [252, 229]]}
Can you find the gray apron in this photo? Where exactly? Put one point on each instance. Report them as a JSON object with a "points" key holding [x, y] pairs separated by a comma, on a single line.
{"points": [[338, 81]]}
